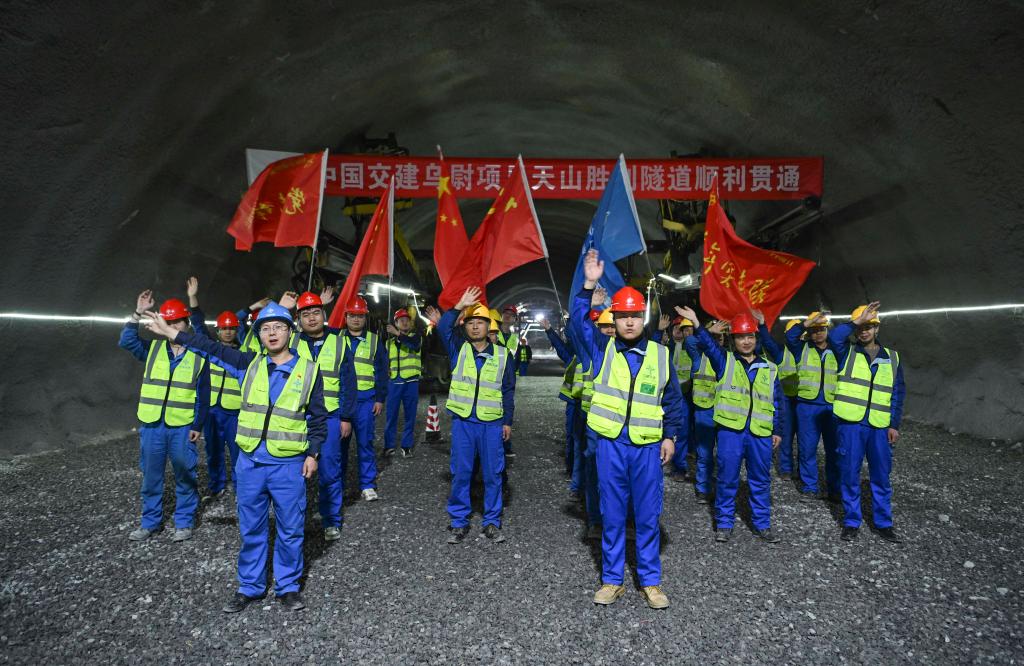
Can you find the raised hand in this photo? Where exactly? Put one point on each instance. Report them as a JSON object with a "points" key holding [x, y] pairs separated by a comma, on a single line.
{"points": [[287, 300], [393, 331], [718, 327], [545, 324], [144, 302], [757, 315], [870, 312], [599, 297], [192, 289], [260, 304], [158, 326], [327, 295], [433, 314], [818, 320], [471, 296], [688, 313], [593, 268]]}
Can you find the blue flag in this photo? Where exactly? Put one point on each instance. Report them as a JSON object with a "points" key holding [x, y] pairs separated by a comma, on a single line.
{"points": [[614, 231]]}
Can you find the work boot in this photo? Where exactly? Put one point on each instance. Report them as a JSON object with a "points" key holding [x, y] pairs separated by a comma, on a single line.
{"points": [[889, 535], [767, 535], [594, 533], [238, 603], [213, 497], [407, 453], [722, 534], [182, 534], [332, 533], [655, 597], [702, 498], [291, 601], [848, 533], [509, 453], [607, 594], [493, 532], [370, 495], [808, 497], [141, 534], [389, 453], [457, 534]]}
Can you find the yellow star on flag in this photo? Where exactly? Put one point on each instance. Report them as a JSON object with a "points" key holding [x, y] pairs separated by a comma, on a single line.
{"points": [[442, 186]]}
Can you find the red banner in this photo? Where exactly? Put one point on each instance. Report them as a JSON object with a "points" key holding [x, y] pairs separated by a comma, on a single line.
{"points": [[482, 177]]}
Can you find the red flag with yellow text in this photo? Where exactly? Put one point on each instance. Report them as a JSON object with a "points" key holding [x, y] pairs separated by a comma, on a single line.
{"points": [[509, 237], [450, 240], [739, 276], [282, 206], [376, 255]]}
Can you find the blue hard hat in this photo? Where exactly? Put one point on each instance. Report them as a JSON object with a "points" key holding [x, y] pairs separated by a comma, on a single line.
{"points": [[273, 312]]}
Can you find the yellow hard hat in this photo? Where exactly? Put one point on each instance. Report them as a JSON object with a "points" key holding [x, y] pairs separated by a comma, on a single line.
{"points": [[791, 323], [860, 309], [494, 314], [493, 328], [606, 318], [817, 313], [476, 311]]}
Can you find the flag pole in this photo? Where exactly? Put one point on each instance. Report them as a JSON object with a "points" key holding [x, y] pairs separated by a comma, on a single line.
{"points": [[319, 214], [554, 288]]}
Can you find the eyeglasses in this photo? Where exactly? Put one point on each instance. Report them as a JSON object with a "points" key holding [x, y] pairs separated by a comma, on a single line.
{"points": [[274, 328]]}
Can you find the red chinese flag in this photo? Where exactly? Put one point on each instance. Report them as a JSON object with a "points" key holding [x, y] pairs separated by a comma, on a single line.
{"points": [[509, 237], [450, 240], [282, 206], [376, 255], [739, 276]]}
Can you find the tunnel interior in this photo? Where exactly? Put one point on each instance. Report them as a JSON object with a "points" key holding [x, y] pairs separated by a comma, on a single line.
{"points": [[125, 137]]}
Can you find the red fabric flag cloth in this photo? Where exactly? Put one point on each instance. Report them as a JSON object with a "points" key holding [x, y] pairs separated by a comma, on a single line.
{"points": [[376, 255], [282, 206], [739, 276], [509, 237], [450, 240]]}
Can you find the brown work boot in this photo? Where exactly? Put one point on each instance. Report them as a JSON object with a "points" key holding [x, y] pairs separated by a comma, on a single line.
{"points": [[655, 597], [608, 594]]}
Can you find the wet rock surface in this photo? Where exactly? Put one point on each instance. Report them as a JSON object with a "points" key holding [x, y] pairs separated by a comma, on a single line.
{"points": [[73, 589]]}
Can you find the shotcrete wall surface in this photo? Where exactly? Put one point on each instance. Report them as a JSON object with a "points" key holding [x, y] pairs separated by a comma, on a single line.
{"points": [[124, 129]]}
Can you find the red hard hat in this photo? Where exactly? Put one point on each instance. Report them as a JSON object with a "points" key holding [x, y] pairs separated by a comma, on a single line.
{"points": [[308, 300], [510, 308], [594, 314], [254, 313], [401, 312], [174, 309], [742, 323], [227, 319], [357, 306], [628, 299]]}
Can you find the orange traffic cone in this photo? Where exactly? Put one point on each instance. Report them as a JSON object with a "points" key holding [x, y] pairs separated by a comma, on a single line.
{"points": [[433, 421]]}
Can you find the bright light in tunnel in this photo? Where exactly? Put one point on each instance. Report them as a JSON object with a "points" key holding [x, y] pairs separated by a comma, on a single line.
{"points": [[897, 313]]}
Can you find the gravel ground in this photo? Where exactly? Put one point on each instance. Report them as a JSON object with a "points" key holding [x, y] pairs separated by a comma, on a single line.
{"points": [[391, 591]]}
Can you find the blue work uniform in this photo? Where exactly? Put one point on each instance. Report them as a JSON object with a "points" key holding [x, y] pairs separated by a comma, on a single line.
{"points": [[814, 421], [628, 474], [680, 464], [586, 457], [566, 353], [704, 427], [473, 438], [403, 394], [363, 420], [737, 446], [159, 441], [263, 479], [855, 441], [330, 471]]}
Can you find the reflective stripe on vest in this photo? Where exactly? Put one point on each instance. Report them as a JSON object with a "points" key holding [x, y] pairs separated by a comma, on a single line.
{"points": [[568, 390], [684, 367], [522, 354], [858, 391], [251, 342], [283, 424], [469, 388], [171, 394], [509, 340], [224, 389], [587, 397], [403, 363], [332, 355], [813, 375], [737, 399], [788, 373], [621, 400], [363, 360], [705, 383]]}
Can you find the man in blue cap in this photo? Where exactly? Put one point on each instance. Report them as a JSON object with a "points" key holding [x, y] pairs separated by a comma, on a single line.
{"points": [[282, 424]]}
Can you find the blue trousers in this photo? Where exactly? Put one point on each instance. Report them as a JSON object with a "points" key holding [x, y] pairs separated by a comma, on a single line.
{"points": [[786, 464], [857, 441], [579, 445], [219, 432], [523, 365], [469, 441], [330, 478], [158, 442], [591, 494], [733, 448], [629, 474], [363, 423], [814, 422], [570, 421], [258, 486], [403, 396], [704, 438], [684, 445]]}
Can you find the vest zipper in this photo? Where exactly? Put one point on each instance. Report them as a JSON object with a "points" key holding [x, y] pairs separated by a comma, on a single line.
{"points": [[476, 388], [629, 401]]}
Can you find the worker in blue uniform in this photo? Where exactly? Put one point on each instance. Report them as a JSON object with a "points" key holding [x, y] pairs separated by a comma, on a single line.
{"points": [[506, 319], [173, 405], [782, 357], [370, 359], [481, 400], [525, 356], [637, 412], [868, 409], [566, 353], [405, 369], [679, 329], [704, 385], [281, 426], [750, 414], [816, 387]]}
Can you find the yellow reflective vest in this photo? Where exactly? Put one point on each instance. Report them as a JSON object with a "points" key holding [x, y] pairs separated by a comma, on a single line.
{"points": [[332, 354], [170, 394], [363, 357], [403, 363], [283, 424], [705, 384], [858, 391], [224, 389], [737, 399], [622, 400], [469, 388], [813, 375]]}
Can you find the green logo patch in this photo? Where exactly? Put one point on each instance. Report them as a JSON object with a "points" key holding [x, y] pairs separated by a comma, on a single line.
{"points": [[648, 389]]}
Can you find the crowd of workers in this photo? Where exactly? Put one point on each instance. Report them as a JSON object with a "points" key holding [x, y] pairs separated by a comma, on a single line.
{"points": [[278, 395]]}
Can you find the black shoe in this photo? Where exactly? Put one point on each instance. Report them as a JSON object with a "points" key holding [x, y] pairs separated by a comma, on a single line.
{"points": [[238, 603], [457, 534], [493, 532], [767, 535], [407, 453], [389, 453], [722, 535], [835, 498], [848, 534], [889, 535], [509, 453], [291, 601], [785, 476], [702, 498], [807, 497]]}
